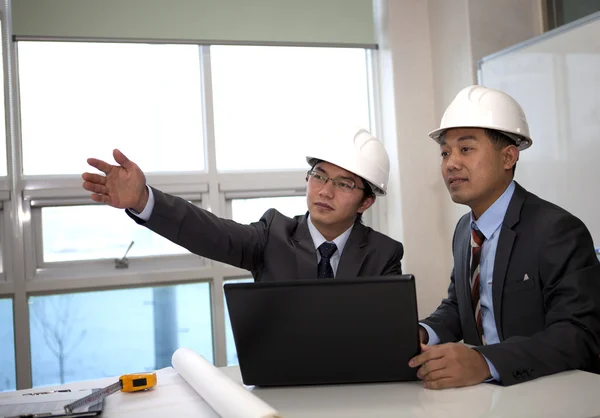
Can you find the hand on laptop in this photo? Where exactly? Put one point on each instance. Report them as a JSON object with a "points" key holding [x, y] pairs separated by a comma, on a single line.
{"points": [[450, 365]]}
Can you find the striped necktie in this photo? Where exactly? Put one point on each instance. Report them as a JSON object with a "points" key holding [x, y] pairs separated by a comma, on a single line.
{"points": [[477, 239]]}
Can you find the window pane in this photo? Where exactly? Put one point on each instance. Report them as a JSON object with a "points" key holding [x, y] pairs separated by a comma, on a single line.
{"points": [[268, 101], [232, 358], [7, 347], [83, 99], [563, 12], [91, 232], [3, 169], [97, 334], [246, 211], [1, 241]]}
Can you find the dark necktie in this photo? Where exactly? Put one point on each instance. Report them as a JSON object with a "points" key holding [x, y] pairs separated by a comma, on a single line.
{"points": [[326, 250], [477, 239]]}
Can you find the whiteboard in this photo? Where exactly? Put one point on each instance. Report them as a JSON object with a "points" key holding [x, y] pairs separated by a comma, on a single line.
{"points": [[556, 79]]}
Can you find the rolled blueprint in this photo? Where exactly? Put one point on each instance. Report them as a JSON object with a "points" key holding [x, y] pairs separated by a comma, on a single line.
{"points": [[228, 398]]}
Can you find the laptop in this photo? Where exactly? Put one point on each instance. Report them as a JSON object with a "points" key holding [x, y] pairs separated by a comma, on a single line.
{"points": [[333, 331]]}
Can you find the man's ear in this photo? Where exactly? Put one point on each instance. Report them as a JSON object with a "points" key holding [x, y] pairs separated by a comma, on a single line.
{"points": [[366, 204], [510, 156]]}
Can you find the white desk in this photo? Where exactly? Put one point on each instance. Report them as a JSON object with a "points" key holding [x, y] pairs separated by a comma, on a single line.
{"points": [[570, 394]]}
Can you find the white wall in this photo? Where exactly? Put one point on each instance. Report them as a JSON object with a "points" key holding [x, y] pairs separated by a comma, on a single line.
{"points": [[408, 113], [498, 24], [428, 52], [455, 68]]}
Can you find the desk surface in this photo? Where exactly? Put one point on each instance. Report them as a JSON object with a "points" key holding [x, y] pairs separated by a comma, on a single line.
{"points": [[570, 394]]}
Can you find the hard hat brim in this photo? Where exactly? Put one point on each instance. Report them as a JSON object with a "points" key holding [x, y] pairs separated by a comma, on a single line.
{"points": [[522, 142]]}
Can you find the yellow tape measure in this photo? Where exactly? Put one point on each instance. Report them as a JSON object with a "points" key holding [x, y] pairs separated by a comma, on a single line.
{"points": [[137, 381], [127, 383]]}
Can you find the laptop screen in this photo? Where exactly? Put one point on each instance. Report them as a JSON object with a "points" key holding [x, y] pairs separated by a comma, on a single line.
{"points": [[325, 331]]}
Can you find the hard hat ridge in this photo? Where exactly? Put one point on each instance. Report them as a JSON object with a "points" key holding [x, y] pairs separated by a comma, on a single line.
{"points": [[482, 107], [358, 152]]}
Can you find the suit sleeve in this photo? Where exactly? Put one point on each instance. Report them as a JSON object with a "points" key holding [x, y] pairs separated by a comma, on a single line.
{"points": [[570, 277], [445, 321], [207, 235], [394, 267]]}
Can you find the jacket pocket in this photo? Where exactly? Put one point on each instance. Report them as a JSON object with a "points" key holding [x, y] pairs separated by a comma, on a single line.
{"points": [[520, 286]]}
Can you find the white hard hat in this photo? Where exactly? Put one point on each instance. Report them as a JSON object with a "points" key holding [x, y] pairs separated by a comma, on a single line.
{"points": [[358, 152], [483, 107]]}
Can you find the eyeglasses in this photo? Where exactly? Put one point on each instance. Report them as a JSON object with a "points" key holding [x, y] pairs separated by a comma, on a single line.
{"points": [[341, 184]]}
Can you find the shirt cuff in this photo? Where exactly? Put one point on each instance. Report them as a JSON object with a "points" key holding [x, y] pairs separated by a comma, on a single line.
{"points": [[493, 371], [145, 214], [433, 337]]}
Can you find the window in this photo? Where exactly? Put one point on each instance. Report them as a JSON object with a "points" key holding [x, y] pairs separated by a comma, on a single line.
{"points": [[268, 100], [7, 347], [246, 211], [97, 231], [561, 12], [2, 247], [96, 334], [82, 100], [78, 100]]}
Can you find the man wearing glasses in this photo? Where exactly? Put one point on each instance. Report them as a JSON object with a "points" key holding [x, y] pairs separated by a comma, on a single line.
{"points": [[328, 241]]}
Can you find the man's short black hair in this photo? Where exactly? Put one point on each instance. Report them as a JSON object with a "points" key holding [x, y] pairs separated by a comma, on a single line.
{"points": [[499, 139]]}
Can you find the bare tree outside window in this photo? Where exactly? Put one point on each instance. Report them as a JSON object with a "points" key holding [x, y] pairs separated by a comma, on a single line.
{"points": [[7, 370], [55, 318]]}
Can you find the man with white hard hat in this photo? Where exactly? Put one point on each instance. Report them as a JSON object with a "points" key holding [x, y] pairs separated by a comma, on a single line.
{"points": [[346, 174], [525, 287]]}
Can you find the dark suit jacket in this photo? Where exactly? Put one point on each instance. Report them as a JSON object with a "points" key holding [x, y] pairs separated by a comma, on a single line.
{"points": [[275, 248], [547, 324]]}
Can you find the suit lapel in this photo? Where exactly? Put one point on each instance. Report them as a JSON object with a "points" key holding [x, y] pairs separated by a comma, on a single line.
{"points": [[353, 255], [503, 251], [306, 256]]}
